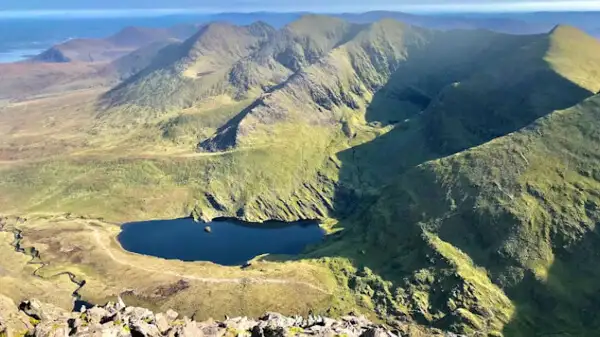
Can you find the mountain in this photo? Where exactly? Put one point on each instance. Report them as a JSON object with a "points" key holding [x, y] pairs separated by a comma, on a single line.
{"points": [[459, 165], [269, 63], [139, 59], [504, 225], [182, 74], [507, 227], [490, 85], [123, 42], [413, 67], [223, 59]]}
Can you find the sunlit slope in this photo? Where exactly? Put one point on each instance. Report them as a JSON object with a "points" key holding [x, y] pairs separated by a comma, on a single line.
{"points": [[223, 59], [182, 74]]}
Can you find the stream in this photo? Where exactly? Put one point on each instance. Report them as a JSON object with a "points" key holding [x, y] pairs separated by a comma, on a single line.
{"points": [[36, 260]]}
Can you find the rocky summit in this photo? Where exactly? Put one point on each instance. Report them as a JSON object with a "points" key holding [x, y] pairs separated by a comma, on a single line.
{"points": [[119, 320]]}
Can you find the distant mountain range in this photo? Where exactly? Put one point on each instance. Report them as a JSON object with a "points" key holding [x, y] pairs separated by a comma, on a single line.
{"points": [[34, 33], [124, 42]]}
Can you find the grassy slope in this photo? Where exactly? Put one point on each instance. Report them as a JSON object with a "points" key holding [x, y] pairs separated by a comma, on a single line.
{"points": [[456, 240], [88, 249], [182, 74], [223, 59], [518, 213]]}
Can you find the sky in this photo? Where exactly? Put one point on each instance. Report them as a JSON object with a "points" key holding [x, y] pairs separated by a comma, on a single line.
{"points": [[19, 8]]}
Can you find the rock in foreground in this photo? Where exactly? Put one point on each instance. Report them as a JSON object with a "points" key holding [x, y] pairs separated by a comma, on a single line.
{"points": [[117, 319]]}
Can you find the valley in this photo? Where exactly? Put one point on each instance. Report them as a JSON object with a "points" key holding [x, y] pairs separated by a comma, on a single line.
{"points": [[453, 171]]}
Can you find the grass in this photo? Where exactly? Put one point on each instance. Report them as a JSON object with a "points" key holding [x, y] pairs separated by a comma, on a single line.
{"points": [[71, 245], [506, 218]]}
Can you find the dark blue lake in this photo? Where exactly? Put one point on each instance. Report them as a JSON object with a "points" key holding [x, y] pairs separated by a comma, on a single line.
{"points": [[229, 242]]}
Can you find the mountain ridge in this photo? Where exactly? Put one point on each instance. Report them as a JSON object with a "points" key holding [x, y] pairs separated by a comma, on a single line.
{"points": [[488, 189]]}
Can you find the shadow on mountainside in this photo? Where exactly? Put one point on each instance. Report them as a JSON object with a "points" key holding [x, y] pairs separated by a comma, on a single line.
{"points": [[399, 267], [225, 136], [456, 118]]}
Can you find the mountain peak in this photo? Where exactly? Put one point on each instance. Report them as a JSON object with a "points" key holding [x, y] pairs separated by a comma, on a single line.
{"points": [[388, 24], [575, 55], [136, 36], [221, 35], [314, 23], [261, 28], [562, 28]]}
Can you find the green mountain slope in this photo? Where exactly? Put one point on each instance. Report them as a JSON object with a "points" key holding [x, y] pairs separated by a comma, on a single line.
{"points": [[500, 86], [492, 238], [459, 238], [354, 95], [551, 73], [136, 61], [516, 216], [180, 75], [223, 59]]}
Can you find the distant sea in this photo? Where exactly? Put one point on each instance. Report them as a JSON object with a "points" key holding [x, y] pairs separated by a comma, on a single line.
{"points": [[22, 37], [17, 55]]}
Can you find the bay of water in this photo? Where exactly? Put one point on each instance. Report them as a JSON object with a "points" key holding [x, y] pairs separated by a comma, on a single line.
{"points": [[17, 55]]}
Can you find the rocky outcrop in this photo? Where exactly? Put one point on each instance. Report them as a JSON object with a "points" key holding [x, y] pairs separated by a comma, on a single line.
{"points": [[119, 320]]}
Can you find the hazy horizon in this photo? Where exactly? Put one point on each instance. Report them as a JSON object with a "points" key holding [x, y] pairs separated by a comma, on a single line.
{"points": [[113, 8]]}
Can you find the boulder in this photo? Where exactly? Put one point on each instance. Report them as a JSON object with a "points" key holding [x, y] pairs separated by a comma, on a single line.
{"points": [[120, 304], [142, 328], [188, 329], [212, 330], [172, 315], [139, 314], [377, 332], [51, 329], [96, 315], [41, 311], [268, 331], [275, 319], [239, 323], [162, 323]]}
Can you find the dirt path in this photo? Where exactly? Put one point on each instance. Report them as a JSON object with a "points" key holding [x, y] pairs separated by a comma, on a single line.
{"points": [[203, 279]]}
